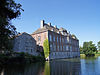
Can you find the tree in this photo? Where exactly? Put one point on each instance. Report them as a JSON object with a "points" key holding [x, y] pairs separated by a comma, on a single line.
{"points": [[46, 48], [81, 50], [89, 48], [8, 11], [98, 45], [85, 47]]}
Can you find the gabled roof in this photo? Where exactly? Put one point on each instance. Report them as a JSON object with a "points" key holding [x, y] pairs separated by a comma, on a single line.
{"points": [[20, 34]]}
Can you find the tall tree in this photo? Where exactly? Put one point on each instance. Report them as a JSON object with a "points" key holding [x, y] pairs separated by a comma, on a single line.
{"points": [[81, 50], [98, 45], [89, 48], [85, 47], [8, 11]]}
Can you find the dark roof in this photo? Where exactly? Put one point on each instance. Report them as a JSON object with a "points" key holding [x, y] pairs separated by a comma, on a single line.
{"points": [[74, 37], [40, 30], [51, 28], [45, 28], [21, 34]]}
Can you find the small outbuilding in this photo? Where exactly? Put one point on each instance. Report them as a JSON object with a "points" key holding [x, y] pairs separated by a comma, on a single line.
{"points": [[24, 42]]}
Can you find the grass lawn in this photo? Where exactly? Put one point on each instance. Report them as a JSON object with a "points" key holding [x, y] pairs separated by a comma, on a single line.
{"points": [[98, 52], [83, 55]]}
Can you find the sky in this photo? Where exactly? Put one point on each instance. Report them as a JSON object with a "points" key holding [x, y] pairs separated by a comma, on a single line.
{"points": [[80, 17]]}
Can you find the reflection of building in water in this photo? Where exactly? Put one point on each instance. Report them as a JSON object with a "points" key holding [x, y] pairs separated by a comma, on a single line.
{"points": [[30, 69], [47, 68], [62, 43], [2, 72], [65, 68]]}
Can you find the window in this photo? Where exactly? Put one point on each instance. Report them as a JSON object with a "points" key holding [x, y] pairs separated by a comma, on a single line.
{"points": [[50, 37], [51, 47], [31, 50], [57, 39], [66, 47], [58, 47], [60, 39], [54, 46], [62, 47], [39, 38], [70, 48], [54, 38], [65, 40], [68, 39]]}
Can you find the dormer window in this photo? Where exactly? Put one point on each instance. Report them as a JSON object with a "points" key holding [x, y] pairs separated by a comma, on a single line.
{"points": [[58, 32], [62, 32], [52, 29]]}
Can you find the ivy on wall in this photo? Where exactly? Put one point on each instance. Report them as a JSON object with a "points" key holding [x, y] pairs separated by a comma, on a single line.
{"points": [[46, 48]]}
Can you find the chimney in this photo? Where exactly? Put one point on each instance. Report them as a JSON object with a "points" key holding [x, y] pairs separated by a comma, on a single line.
{"points": [[49, 24], [55, 26], [42, 24]]}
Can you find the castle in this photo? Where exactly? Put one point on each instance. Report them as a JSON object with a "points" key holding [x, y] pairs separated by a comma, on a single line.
{"points": [[62, 44]]}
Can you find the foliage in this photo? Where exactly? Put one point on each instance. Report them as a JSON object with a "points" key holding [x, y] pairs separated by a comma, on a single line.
{"points": [[81, 50], [29, 56], [42, 54], [46, 48], [89, 48], [98, 44], [19, 58], [8, 11]]}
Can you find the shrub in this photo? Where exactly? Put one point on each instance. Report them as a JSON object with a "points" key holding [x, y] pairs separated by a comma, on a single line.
{"points": [[46, 48]]}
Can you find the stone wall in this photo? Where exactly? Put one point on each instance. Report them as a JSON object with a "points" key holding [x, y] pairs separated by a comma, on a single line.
{"points": [[25, 43], [40, 37]]}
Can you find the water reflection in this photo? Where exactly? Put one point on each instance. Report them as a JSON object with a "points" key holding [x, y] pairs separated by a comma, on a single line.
{"points": [[60, 67], [86, 66], [65, 68], [32, 69], [90, 66]]}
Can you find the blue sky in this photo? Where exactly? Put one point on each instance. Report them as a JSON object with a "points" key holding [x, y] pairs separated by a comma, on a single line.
{"points": [[80, 17]]}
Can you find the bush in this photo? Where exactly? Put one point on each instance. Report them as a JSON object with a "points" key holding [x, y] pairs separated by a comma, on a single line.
{"points": [[46, 48]]}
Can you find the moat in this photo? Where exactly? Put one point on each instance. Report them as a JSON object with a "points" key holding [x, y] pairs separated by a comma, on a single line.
{"points": [[75, 66]]}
